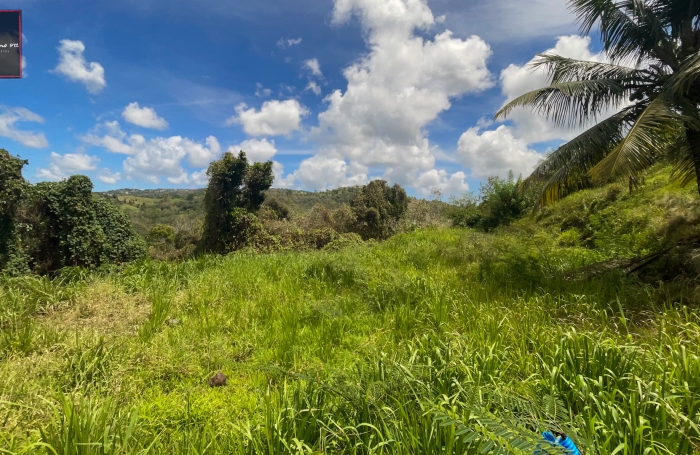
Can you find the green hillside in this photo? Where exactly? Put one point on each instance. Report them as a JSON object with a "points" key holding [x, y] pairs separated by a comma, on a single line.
{"points": [[582, 319], [146, 208]]}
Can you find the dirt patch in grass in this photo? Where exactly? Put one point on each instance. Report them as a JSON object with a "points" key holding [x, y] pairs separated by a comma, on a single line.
{"points": [[104, 309]]}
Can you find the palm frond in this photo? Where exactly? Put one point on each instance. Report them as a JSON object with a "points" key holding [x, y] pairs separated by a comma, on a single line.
{"points": [[683, 166], [642, 145], [566, 169], [629, 29], [681, 17], [682, 80], [563, 69], [573, 103], [486, 432], [586, 149]]}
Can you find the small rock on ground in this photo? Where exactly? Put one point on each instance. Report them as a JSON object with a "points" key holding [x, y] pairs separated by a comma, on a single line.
{"points": [[218, 380]]}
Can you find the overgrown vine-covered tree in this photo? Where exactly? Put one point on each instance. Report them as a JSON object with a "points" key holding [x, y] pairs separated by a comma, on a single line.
{"points": [[653, 79], [12, 184], [66, 225], [51, 225], [236, 190], [378, 208]]}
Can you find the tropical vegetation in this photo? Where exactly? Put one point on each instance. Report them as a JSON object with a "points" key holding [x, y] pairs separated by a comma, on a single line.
{"points": [[651, 83], [437, 341], [52, 225], [266, 321]]}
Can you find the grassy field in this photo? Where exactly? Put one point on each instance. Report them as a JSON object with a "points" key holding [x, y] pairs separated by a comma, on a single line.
{"points": [[434, 342]]}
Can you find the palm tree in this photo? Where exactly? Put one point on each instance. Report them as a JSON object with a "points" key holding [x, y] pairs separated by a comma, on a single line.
{"points": [[653, 82]]}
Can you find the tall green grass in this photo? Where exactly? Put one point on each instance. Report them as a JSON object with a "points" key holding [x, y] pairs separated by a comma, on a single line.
{"points": [[434, 342]]}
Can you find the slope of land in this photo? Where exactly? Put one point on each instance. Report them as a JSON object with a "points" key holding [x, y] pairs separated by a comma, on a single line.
{"points": [[146, 208], [434, 342]]}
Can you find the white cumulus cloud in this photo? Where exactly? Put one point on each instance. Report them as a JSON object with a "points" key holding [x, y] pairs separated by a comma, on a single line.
{"points": [[9, 116], [151, 159], [159, 157], [110, 136], [274, 118], [313, 67], [495, 152], [63, 166], [314, 87], [256, 150], [162, 157], [448, 184], [323, 172], [280, 181], [399, 87], [108, 177], [72, 64], [199, 178], [200, 156], [143, 116]]}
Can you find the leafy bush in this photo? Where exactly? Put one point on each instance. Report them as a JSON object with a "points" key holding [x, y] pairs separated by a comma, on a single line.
{"points": [[168, 243], [465, 212], [11, 186], [280, 210], [235, 191], [75, 229], [58, 224], [344, 241], [314, 239], [378, 208], [161, 236], [121, 243], [422, 213], [500, 201]]}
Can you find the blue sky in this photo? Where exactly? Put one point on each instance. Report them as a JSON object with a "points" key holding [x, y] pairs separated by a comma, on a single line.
{"points": [[145, 93]]}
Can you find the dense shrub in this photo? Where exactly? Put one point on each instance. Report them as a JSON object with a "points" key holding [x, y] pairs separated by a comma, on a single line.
{"points": [[320, 217], [378, 208], [422, 213], [466, 212], [65, 225], [314, 239], [343, 219], [280, 211], [121, 242], [12, 185], [168, 243], [161, 235], [344, 241], [235, 191], [59, 224], [500, 201]]}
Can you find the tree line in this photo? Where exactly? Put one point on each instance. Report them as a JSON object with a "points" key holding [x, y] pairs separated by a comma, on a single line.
{"points": [[236, 194], [51, 225]]}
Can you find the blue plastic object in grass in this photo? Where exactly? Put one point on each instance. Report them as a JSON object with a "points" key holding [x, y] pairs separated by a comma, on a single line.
{"points": [[562, 441]]}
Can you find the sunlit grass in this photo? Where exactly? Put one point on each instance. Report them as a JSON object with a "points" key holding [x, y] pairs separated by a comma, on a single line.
{"points": [[438, 341]]}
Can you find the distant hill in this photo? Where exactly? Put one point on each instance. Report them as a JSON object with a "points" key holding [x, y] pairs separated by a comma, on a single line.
{"points": [[146, 208]]}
